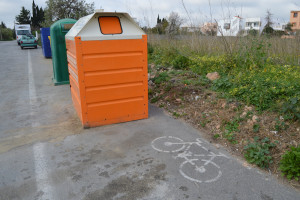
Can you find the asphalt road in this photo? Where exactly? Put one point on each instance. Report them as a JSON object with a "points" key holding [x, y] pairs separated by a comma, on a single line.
{"points": [[46, 154]]}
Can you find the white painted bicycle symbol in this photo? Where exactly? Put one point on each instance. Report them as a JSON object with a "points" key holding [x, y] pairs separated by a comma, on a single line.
{"points": [[199, 167]]}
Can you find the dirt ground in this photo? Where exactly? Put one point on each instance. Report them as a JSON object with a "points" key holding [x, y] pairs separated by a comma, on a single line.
{"points": [[209, 112]]}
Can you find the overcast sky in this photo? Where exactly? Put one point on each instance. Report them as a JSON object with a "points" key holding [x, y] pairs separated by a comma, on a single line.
{"points": [[146, 11]]}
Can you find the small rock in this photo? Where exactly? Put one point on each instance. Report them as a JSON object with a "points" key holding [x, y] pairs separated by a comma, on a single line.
{"points": [[218, 126], [150, 83], [213, 76], [275, 132], [244, 114], [255, 118], [197, 97], [179, 100], [248, 108], [217, 146], [281, 118], [250, 122]]}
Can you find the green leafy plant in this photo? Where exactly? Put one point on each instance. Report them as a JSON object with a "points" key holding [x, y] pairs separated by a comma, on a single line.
{"points": [[290, 163], [161, 77], [175, 114], [155, 99], [181, 62], [256, 128], [216, 136], [222, 84], [231, 128], [291, 109], [258, 152], [280, 125]]}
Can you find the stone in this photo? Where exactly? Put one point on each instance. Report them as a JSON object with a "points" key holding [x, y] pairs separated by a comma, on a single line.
{"points": [[248, 108], [178, 100], [213, 76], [243, 114], [254, 119], [150, 83]]}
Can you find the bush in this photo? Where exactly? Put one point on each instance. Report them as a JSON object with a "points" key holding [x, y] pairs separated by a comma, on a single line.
{"points": [[161, 77], [291, 109], [7, 34], [258, 152], [181, 62], [290, 163], [150, 49]]}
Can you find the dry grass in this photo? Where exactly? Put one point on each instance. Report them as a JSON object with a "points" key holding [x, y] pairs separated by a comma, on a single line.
{"points": [[287, 50]]}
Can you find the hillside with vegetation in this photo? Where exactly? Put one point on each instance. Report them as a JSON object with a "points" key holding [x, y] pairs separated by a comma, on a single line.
{"points": [[243, 92]]}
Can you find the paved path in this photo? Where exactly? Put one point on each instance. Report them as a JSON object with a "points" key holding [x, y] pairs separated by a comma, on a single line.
{"points": [[45, 153]]}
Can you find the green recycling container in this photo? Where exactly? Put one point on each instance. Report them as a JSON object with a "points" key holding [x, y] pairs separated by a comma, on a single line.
{"points": [[58, 30]]}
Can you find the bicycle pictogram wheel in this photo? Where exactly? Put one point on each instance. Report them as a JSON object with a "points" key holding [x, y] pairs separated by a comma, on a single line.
{"points": [[196, 170], [168, 144]]}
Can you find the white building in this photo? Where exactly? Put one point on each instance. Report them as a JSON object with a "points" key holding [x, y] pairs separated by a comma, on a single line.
{"points": [[278, 26], [256, 23], [230, 27]]}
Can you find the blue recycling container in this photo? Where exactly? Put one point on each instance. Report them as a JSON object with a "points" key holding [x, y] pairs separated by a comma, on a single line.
{"points": [[45, 32]]}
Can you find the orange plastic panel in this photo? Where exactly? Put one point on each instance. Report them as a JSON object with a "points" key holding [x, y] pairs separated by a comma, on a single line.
{"points": [[110, 25], [109, 80]]}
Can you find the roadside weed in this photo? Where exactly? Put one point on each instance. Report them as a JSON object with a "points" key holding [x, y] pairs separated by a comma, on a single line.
{"points": [[290, 163], [258, 152]]}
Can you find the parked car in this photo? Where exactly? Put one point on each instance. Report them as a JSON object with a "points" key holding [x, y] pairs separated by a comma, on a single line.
{"points": [[28, 41]]}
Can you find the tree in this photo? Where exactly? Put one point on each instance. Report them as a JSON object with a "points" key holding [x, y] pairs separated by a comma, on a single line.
{"points": [[288, 28], [158, 20], [253, 32], [59, 9], [160, 27], [34, 19], [174, 24], [37, 16], [5, 33], [268, 27], [3, 25], [23, 17]]}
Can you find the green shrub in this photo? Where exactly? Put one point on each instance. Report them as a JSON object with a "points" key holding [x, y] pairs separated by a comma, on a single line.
{"points": [[290, 163], [222, 84], [230, 130], [291, 109], [150, 49], [161, 77], [258, 152], [181, 62], [155, 99]]}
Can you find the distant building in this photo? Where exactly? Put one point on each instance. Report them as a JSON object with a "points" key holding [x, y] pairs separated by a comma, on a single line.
{"points": [[209, 28], [256, 23], [278, 26], [295, 20], [190, 29], [230, 27]]}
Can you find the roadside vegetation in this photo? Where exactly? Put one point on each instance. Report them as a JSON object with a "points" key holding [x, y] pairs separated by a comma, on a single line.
{"points": [[244, 92]]}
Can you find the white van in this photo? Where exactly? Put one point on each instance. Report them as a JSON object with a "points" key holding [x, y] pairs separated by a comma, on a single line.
{"points": [[22, 29]]}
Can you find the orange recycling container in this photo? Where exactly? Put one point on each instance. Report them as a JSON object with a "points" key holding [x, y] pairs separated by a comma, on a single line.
{"points": [[107, 62]]}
